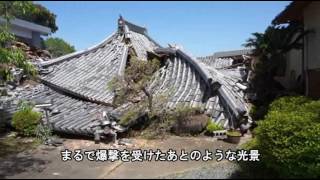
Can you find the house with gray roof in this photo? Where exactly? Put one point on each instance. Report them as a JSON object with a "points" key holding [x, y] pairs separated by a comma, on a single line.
{"points": [[28, 32], [303, 66], [76, 84]]}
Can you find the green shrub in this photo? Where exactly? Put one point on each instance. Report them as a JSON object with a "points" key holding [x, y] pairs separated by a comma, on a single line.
{"points": [[289, 137], [178, 114], [288, 103], [181, 112], [25, 121], [127, 117], [43, 132], [212, 126], [131, 116], [253, 144], [180, 120], [258, 112]]}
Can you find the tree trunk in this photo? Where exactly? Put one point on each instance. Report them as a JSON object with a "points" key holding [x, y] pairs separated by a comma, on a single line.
{"points": [[149, 96]]}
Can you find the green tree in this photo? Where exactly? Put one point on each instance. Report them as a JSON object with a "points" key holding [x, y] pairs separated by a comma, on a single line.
{"points": [[134, 83], [30, 12], [270, 49], [9, 9], [10, 57], [58, 47]]}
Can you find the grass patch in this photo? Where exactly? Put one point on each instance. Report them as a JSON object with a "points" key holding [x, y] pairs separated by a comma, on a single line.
{"points": [[212, 126], [233, 133]]}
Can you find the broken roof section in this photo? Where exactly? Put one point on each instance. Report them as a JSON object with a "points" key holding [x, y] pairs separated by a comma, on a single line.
{"points": [[225, 55], [229, 68], [85, 74], [81, 78], [138, 37], [293, 12]]}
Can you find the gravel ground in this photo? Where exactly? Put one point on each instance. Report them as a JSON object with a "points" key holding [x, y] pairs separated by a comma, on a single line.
{"points": [[45, 162], [219, 170]]}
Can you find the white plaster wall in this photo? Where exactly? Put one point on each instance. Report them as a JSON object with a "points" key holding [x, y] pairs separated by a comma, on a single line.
{"points": [[293, 69], [295, 63], [312, 41], [22, 32]]}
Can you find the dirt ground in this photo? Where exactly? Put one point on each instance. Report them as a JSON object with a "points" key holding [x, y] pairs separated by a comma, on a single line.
{"points": [[46, 161]]}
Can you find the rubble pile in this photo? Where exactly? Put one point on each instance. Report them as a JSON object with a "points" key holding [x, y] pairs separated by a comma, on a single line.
{"points": [[10, 91], [33, 54], [11, 95], [106, 125]]}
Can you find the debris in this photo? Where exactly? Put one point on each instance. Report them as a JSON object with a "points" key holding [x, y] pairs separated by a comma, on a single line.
{"points": [[27, 140], [54, 142], [105, 123], [241, 86], [55, 111], [47, 147], [125, 142], [118, 128], [74, 84], [33, 54], [56, 174], [12, 134], [96, 137]]}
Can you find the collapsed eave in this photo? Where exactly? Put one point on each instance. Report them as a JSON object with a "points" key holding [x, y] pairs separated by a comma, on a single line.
{"points": [[201, 70], [231, 54], [293, 12]]}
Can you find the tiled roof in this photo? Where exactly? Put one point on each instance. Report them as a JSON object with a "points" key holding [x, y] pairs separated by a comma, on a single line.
{"points": [[185, 84], [225, 55], [87, 75], [191, 83], [69, 115], [77, 83]]}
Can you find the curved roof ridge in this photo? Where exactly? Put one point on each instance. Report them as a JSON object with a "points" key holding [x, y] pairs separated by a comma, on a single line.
{"points": [[77, 53], [230, 99], [138, 29], [153, 40], [198, 66], [226, 54], [135, 28], [84, 77]]}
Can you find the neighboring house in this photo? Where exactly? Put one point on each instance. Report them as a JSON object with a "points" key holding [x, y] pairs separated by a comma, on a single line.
{"points": [[28, 32], [235, 55], [305, 63], [236, 63]]}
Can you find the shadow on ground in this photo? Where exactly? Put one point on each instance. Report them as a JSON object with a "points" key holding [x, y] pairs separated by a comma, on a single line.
{"points": [[15, 155], [253, 170], [15, 164]]}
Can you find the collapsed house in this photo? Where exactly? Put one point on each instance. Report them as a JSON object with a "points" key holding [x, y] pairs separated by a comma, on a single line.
{"points": [[74, 86]]}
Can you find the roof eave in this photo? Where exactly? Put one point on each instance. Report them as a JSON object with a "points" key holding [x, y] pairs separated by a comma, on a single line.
{"points": [[293, 12]]}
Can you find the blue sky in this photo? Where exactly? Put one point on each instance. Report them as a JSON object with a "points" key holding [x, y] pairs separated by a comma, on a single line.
{"points": [[202, 28]]}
